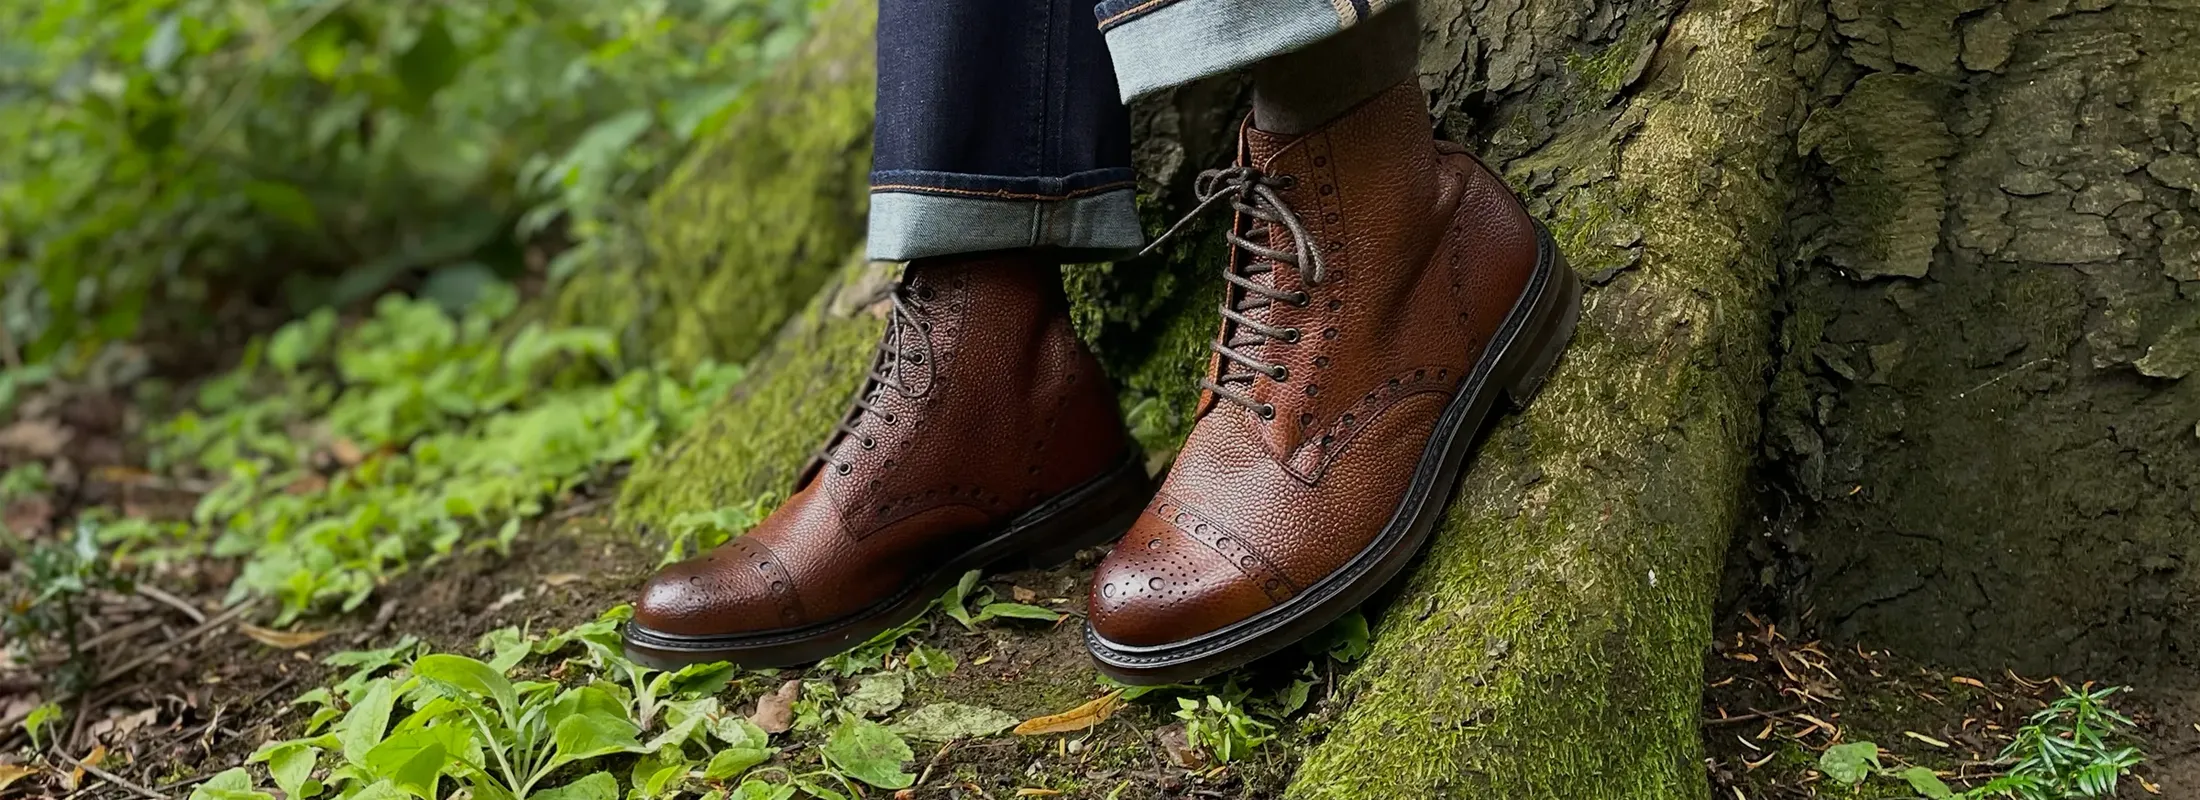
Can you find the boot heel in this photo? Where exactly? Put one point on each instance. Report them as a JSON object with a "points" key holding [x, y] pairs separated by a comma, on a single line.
{"points": [[1551, 330]]}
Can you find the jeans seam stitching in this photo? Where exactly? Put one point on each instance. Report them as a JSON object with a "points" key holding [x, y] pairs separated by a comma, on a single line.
{"points": [[1005, 195]]}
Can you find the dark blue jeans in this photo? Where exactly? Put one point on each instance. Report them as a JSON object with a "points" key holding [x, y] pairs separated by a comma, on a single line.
{"points": [[1001, 123]]}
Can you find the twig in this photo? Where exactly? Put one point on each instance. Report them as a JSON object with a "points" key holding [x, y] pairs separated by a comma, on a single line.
{"points": [[162, 649], [927, 774], [110, 777], [121, 632], [152, 592], [1753, 715]]}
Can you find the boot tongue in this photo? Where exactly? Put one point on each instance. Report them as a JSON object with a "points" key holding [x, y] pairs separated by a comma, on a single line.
{"points": [[1262, 147]]}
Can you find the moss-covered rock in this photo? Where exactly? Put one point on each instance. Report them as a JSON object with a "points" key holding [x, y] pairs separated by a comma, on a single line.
{"points": [[750, 224]]}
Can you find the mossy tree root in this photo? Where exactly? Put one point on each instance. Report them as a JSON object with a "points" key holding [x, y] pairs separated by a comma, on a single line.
{"points": [[1551, 644]]}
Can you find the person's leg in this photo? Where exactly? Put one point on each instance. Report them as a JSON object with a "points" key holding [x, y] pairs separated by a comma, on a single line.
{"points": [[1298, 91], [986, 432], [998, 128], [1386, 293]]}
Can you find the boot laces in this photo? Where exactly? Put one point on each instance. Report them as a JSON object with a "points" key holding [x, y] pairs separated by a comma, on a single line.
{"points": [[887, 362], [1254, 194]]}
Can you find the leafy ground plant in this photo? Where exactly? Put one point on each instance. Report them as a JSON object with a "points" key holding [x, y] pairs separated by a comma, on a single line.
{"points": [[149, 148], [343, 456], [2077, 747], [403, 724]]}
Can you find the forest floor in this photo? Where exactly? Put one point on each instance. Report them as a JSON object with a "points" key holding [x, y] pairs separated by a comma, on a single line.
{"points": [[179, 682]]}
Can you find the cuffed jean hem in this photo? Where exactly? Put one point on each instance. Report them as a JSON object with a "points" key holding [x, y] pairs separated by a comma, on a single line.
{"points": [[1157, 44], [908, 225]]}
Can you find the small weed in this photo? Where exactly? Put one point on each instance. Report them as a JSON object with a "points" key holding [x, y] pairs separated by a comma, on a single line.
{"points": [[1222, 728], [49, 583], [2077, 747]]}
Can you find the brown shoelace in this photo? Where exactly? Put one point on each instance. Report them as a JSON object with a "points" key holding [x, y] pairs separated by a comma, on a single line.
{"points": [[1254, 194]]}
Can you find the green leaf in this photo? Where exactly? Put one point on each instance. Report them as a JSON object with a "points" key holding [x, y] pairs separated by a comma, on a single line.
{"points": [[1345, 640], [705, 678], [291, 765], [1926, 783], [731, 762], [594, 786], [166, 43], [676, 735], [229, 784], [363, 725], [1849, 764], [410, 761], [869, 752], [379, 790], [654, 774], [465, 677], [875, 695], [739, 732], [1293, 697], [430, 64], [931, 661], [759, 790], [507, 646], [1017, 611], [284, 202], [44, 715], [940, 722], [586, 736], [954, 603]]}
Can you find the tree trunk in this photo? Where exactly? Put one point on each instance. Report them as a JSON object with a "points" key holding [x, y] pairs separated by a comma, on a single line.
{"points": [[1759, 192]]}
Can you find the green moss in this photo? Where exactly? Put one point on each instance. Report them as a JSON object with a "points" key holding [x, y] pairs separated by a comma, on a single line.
{"points": [[1150, 320], [751, 223], [1606, 70]]}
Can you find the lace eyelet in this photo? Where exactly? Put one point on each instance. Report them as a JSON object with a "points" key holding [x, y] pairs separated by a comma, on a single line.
{"points": [[889, 417], [1287, 182], [1291, 334], [925, 293], [1300, 299], [916, 358], [1265, 411], [843, 468], [1280, 374], [868, 443]]}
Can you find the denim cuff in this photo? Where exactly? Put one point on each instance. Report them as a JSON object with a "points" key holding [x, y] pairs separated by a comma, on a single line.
{"points": [[1157, 44], [920, 214]]}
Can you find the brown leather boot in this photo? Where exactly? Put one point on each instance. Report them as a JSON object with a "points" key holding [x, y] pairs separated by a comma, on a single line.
{"points": [[986, 433], [1386, 290]]}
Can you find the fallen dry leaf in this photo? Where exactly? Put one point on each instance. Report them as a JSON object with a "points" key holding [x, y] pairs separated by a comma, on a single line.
{"points": [[282, 640], [116, 728], [1038, 792], [561, 579], [75, 777], [346, 452], [10, 773], [1926, 739], [775, 711], [37, 438], [1177, 746], [1075, 719], [1968, 681], [1022, 594]]}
